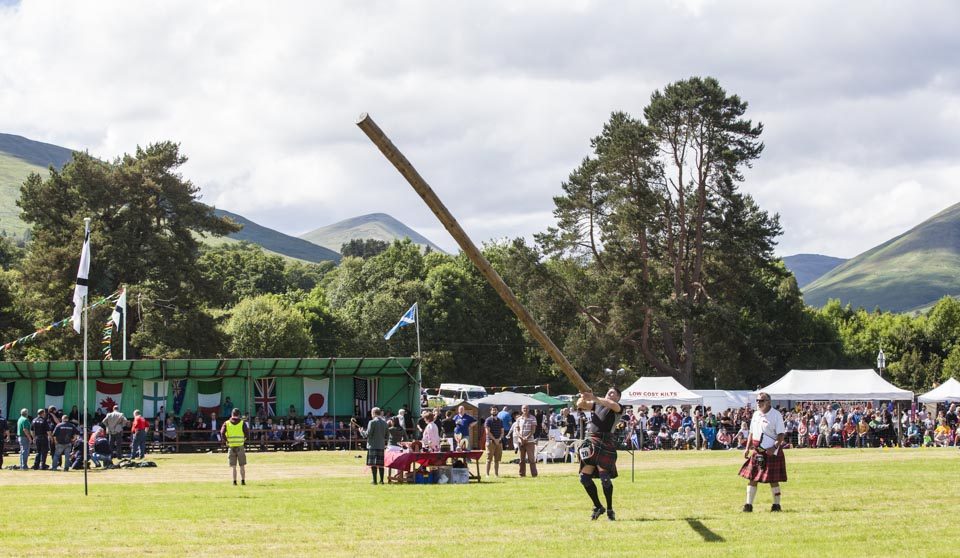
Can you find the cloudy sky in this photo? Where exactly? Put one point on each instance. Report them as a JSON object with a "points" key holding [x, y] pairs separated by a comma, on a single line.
{"points": [[495, 102]]}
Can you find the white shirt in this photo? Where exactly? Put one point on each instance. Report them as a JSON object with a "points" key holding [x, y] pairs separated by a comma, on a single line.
{"points": [[766, 427]]}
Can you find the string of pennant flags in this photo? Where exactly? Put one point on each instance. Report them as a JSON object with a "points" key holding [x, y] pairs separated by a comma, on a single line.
{"points": [[62, 323]]}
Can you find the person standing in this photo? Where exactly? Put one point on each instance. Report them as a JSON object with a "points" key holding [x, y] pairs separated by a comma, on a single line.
{"points": [[234, 434], [463, 429], [114, 423], [598, 453], [24, 437], [524, 432], [4, 429], [493, 427], [764, 456], [41, 438], [376, 435], [431, 433], [138, 431], [507, 419], [64, 435]]}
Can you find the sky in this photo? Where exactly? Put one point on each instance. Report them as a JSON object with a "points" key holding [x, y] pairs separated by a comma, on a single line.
{"points": [[495, 103]]}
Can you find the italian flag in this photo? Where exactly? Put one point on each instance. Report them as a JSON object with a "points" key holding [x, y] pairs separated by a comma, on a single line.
{"points": [[208, 396]]}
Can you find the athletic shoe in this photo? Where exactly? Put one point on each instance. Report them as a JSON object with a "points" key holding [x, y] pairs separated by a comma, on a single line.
{"points": [[611, 516], [243, 482], [234, 483], [597, 512], [775, 508], [748, 508]]}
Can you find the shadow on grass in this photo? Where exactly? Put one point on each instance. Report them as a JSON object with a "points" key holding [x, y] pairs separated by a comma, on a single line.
{"points": [[703, 530]]}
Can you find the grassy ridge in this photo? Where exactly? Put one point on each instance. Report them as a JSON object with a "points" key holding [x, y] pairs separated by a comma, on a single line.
{"points": [[837, 503], [13, 171], [378, 226]]}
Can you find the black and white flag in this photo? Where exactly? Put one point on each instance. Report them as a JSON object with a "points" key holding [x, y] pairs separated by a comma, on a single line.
{"points": [[83, 274]]}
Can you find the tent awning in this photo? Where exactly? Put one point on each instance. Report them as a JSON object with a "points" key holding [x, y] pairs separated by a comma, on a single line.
{"points": [[552, 401], [658, 390], [834, 385], [510, 399], [947, 391]]}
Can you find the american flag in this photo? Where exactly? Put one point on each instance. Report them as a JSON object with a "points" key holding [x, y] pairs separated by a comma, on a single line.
{"points": [[265, 396], [365, 395]]}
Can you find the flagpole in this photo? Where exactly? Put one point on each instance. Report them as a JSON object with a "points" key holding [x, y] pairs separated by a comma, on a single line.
{"points": [[86, 449], [123, 318], [419, 356]]}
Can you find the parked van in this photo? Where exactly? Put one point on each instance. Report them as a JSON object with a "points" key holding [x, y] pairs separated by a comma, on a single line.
{"points": [[454, 393]]}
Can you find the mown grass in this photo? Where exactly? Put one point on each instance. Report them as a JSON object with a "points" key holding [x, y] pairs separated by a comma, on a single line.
{"points": [[837, 503]]}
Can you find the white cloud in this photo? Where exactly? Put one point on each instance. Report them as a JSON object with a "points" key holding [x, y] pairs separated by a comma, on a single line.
{"points": [[494, 103]]}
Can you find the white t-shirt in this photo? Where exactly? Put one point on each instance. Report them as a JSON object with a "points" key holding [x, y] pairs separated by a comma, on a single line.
{"points": [[766, 427]]}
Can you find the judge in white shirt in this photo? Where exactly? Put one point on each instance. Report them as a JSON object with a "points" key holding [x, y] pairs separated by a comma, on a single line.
{"points": [[764, 452]]}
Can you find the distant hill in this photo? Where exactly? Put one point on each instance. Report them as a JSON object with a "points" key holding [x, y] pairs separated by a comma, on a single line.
{"points": [[36, 153], [807, 267], [276, 241], [379, 226], [19, 157], [908, 272]]}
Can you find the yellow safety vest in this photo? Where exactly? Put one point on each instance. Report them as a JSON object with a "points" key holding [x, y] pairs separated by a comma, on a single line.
{"points": [[235, 434]]}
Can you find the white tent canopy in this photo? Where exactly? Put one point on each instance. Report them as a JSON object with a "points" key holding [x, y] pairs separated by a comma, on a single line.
{"points": [[510, 399], [947, 391], [834, 385], [719, 400], [659, 390]]}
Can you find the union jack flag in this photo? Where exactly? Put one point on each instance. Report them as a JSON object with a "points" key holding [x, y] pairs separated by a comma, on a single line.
{"points": [[265, 396]]}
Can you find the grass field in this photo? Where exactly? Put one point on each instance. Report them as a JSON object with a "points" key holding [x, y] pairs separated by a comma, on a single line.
{"points": [[837, 503]]}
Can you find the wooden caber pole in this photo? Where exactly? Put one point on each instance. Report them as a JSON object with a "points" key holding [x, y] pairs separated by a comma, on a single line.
{"points": [[401, 163]]}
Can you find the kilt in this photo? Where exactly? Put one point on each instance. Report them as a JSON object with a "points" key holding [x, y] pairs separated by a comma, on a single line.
{"points": [[375, 458], [774, 470], [604, 454]]}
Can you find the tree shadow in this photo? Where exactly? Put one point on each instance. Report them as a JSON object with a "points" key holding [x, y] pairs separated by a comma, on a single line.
{"points": [[703, 530]]}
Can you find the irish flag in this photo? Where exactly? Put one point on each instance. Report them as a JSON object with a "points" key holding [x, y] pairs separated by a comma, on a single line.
{"points": [[109, 395], [208, 396]]}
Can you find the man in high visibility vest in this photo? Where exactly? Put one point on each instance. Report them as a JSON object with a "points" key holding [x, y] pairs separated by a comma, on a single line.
{"points": [[234, 433]]}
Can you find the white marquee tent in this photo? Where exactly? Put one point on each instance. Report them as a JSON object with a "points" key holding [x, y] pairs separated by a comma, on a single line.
{"points": [[947, 391], [659, 390], [834, 385], [719, 400]]}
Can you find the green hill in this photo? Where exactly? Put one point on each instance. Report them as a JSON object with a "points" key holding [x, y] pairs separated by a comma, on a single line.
{"points": [[808, 267], [275, 241], [19, 157], [910, 271], [379, 226]]}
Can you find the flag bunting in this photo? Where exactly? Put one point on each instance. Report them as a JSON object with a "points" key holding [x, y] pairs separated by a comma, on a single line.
{"points": [[62, 323]]}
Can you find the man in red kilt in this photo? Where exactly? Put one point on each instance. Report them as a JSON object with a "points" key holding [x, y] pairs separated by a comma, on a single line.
{"points": [[598, 453], [764, 453]]}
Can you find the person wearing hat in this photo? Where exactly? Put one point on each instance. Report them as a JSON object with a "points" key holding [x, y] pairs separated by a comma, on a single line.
{"points": [[764, 453], [234, 433]]}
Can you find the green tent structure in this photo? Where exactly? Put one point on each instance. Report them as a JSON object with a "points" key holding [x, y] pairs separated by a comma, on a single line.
{"points": [[387, 382], [557, 404]]}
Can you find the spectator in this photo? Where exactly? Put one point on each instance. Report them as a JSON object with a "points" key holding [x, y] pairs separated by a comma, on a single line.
{"points": [[507, 419], [914, 437], [941, 435], [114, 423], [849, 433], [524, 433], [64, 434], [24, 436], [447, 427], [227, 407], [101, 451], [138, 433], [493, 428], [41, 438], [74, 414], [4, 432], [396, 434], [431, 433], [863, 432], [742, 435]]}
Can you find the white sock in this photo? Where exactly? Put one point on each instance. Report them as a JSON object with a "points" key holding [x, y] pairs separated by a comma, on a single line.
{"points": [[776, 495], [751, 493]]}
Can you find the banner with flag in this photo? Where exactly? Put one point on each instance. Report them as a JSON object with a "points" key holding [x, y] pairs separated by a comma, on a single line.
{"points": [[154, 398], [109, 395], [365, 395], [179, 388], [83, 275], [409, 318], [315, 396], [54, 394], [265, 397], [208, 396]]}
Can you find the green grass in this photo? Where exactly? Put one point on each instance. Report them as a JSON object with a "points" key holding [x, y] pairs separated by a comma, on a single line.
{"points": [[837, 503], [13, 172]]}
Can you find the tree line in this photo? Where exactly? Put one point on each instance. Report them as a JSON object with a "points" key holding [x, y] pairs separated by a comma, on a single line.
{"points": [[657, 264]]}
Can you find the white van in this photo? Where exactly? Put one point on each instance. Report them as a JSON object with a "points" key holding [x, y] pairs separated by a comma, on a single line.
{"points": [[454, 393]]}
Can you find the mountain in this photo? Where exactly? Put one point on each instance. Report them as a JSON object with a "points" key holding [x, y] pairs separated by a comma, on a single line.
{"points": [[276, 241], [807, 267], [19, 157], [379, 226], [905, 273]]}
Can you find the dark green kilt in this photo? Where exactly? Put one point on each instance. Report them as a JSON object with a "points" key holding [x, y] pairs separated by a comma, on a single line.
{"points": [[603, 454]]}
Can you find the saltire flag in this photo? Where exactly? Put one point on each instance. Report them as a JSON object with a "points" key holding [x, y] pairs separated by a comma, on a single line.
{"points": [[179, 390], [315, 396], [120, 310], [265, 396], [54, 394], [154, 398], [83, 276], [365, 395], [208, 396], [409, 318], [109, 395]]}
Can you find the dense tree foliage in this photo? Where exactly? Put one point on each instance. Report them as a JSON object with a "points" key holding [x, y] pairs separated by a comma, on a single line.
{"points": [[267, 326], [363, 247]]}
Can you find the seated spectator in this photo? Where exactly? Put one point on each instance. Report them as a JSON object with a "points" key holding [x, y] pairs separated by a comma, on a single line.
{"points": [[941, 435], [299, 439], [292, 412], [709, 433], [678, 440], [663, 438], [742, 435], [849, 433], [823, 433], [689, 437], [863, 432], [803, 433], [329, 429], [170, 429], [928, 438], [836, 433], [913, 435]]}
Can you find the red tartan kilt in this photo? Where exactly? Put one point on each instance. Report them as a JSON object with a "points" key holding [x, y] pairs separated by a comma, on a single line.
{"points": [[604, 455], [774, 471]]}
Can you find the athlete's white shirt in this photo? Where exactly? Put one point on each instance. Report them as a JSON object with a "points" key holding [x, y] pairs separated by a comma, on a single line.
{"points": [[765, 427]]}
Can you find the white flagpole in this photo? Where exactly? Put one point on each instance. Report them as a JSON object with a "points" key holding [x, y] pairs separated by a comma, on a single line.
{"points": [[86, 233], [416, 319], [124, 319]]}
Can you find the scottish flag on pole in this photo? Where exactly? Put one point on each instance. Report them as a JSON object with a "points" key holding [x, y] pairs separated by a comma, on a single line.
{"points": [[407, 319]]}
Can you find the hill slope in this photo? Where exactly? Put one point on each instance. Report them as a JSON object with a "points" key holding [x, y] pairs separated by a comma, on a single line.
{"points": [[278, 242], [19, 157], [379, 226], [907, 272], [808, 267]]}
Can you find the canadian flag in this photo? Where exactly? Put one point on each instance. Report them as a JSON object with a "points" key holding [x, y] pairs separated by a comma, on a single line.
{"points": [[109, 395]]}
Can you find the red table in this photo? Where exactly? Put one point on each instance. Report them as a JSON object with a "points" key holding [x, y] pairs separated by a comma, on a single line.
{"points": [[403, 463]]}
